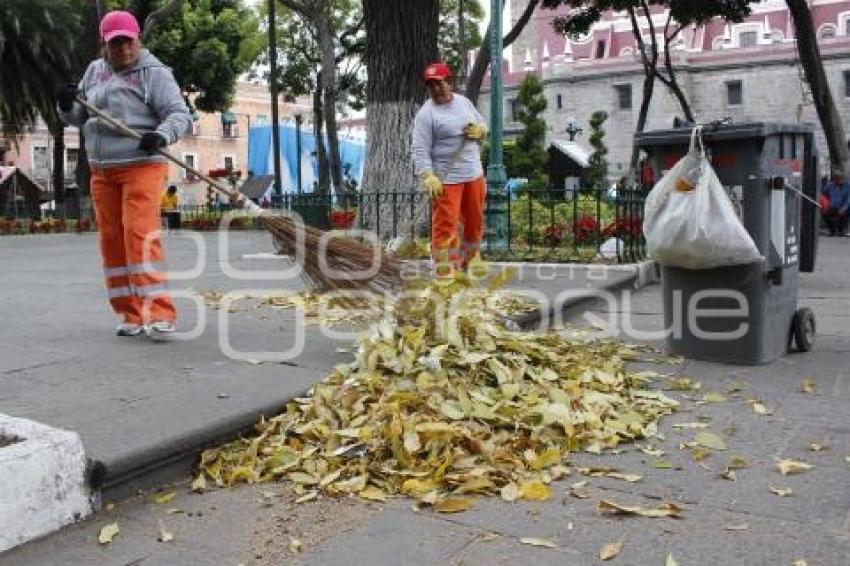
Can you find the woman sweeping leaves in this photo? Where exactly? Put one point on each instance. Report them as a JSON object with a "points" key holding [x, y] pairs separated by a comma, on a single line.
{"points": [[128, 175]]}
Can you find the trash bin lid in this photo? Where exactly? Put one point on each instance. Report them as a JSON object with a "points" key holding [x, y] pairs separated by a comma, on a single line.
{"points": [[722, 132]]}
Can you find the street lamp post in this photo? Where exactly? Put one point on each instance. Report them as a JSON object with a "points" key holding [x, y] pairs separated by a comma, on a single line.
{"points": [[497, 222], [573, 129], [298, 121], [278, 190]]}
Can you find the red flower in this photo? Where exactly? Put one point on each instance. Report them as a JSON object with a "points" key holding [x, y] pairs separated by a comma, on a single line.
{"points": [[586, 229], [342, 219]]}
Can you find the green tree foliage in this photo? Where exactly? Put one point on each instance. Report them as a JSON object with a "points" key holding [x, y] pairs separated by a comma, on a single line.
{"points": [[598, 168], [529, 158], [35, 60], [449, 38], [208, 44]]}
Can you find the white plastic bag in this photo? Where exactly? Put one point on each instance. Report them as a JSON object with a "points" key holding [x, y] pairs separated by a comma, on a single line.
{"points": [[689, 220]]}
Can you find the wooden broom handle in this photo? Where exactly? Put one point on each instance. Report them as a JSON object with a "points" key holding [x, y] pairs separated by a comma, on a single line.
{"points": [[235, 195]]}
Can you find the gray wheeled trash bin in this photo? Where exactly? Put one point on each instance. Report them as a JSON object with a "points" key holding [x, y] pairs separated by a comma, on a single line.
{"points": [[746, 314]]}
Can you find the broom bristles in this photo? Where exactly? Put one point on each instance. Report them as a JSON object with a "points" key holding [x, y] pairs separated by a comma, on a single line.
{"points": [[346, 260]]}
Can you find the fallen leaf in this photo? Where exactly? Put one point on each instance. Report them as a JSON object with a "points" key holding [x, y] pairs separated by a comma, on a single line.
{"points": [[164, 535], [737, 463], [107, 533], [800, 562], [710, 440], [538, 542], [788, 467], [295, 546], [610, 550], [700, 453], [488, 537], [200, 483], [690, 425], [817, 447], [663, 465], [781, 492], [714, 397], [760, 408], [173, 511], [665, 509], [453, 504], [625, 477], [164, 497], [650, 451], [535, 490], [373, 493], [737, 527], [109, 507], [309, 496], [729, 475], [510, 492], [670, 560], [808, 386]]}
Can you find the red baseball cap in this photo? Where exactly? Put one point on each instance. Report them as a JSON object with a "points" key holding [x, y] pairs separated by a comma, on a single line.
{"points": [[437, 72], [118, 23]]}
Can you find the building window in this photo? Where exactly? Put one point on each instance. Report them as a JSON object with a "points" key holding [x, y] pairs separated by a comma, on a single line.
{"points": [[624, 96], [229, 127], [847, 84], [734, 93], [748, 39], [192, 161], [600, 49], [559, 102], [514, 110], [71, 155], [846, 26], [229, 163], [40, 161]]}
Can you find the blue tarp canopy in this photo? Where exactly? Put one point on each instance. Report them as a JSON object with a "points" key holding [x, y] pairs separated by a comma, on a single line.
{"points": [[260, 158]]}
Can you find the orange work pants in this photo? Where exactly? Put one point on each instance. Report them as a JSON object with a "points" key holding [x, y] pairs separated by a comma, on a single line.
{"points": [[126, 203], [461, 204]]}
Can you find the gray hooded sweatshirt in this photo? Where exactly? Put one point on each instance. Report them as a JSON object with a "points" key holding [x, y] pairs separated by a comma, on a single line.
{"points": [[145, 98]]}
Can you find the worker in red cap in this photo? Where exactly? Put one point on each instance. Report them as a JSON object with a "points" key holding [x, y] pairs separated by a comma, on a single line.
{"points": [[447, 131], [127, 174]]}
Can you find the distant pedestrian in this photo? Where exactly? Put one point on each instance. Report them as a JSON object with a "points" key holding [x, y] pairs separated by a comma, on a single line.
{"points": [[837, 191], [449, 169], [127, 175]]}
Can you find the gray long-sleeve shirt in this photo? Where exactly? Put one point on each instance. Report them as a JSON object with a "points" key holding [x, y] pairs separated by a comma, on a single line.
{"points": [[437, 135], [145, 98]]}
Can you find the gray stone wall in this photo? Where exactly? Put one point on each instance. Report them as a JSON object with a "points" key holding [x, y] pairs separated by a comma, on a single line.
{"points": [[771, 89]]}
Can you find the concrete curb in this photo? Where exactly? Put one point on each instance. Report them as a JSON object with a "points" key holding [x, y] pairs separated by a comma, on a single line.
{"points": [[634, 276], [42, 481]]}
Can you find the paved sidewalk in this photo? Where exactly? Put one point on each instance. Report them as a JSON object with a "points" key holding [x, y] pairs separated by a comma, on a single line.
{"points": [[724, 522], [142, 408]]}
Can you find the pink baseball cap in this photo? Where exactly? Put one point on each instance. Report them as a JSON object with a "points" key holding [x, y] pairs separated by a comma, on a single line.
{"points": [[118, 23]]}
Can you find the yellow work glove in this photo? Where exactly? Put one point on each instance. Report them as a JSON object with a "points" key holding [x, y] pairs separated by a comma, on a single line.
{"points": [[474, 131], [432, 184]]}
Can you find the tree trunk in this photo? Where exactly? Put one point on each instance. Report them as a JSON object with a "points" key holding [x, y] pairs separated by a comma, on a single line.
{"points": [[830, 119], [650, 64], [57, 132], [402, 41], [328, 86], [670, 80], [461, 44], [482, 58], [323, 187]]}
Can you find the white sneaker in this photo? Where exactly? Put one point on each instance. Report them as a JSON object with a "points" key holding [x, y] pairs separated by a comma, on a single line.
{"points": [[129, 329], [161, 329]]}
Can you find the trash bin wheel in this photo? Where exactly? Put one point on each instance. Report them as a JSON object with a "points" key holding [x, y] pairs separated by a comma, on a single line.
{"points": [[803, 327]]}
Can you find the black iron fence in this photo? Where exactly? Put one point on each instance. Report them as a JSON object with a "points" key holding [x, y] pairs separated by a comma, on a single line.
{"points": [[539, 225]]}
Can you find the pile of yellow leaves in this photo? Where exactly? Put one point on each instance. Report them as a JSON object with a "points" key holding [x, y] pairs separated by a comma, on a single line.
{"points": [[442, 402]]}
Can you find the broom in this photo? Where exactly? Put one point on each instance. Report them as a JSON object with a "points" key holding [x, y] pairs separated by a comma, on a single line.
{"points": [[346, 265]]}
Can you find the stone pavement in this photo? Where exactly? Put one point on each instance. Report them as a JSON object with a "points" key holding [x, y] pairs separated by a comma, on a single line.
{"points": [[723, 521], [143, 409]]}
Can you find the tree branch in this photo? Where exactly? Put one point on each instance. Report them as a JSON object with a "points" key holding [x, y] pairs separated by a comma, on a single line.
{"points": [[520, 23], [158, 16]]}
